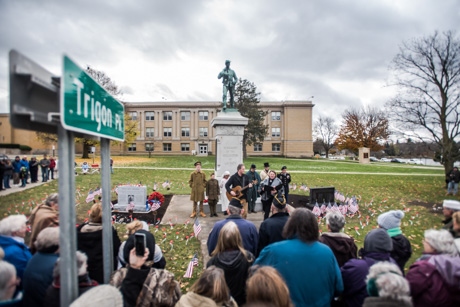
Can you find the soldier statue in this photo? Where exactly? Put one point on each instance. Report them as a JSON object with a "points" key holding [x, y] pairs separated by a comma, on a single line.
{"points": [[229, 80]]}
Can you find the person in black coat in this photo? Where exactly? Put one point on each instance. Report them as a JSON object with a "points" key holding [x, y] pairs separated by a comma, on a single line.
{"points": [[150, 242], [33, 167], [2, 170], [285, 178], [89, 241], [270, 230], [240, 179]]}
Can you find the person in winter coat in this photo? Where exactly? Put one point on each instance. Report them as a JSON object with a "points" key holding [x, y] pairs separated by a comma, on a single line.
{"points": [[44, 164], [38, 275], [25, 163], [213, 192], [9, 296], [387, 287], [434, 278], [33, 166], [342, 245], [23, 176], [197, 182], [210, 290], [231, 257], [85, 283], [43, 216], [268, 189], [241, 180], [301, 257], [53, 166], [253, 192], [271, 229], [453, 178], [449, 207], [12, 232], [266, 286], [223, 192], [391, 222], [89, 241], [16, 170], [377, 247], [7, 174]]}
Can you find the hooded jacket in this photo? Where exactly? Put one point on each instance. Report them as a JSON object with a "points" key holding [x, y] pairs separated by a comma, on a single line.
{"points": [[192, 299], [236, 268], [401, 250], [435, 281], [342, 245], [16, 253], [43, 216]]}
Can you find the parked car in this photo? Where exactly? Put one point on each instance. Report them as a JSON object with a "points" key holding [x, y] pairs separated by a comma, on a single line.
{"points": [[3, 157], [416, 161], [385, 160], [397, 161], [374, 159]]}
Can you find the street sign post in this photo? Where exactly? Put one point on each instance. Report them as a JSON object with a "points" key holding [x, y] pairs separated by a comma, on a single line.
{"points": [[86, 107]]}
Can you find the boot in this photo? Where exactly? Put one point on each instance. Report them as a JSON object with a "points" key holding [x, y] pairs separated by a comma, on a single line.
{"points": [[194, 210], [201, 210]]}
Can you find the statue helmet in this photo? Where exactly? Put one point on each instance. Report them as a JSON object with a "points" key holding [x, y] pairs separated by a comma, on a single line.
{"points": [[227, 61]]}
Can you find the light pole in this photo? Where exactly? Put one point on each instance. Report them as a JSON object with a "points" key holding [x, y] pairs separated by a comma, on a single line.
{"points": [[54, 147]]}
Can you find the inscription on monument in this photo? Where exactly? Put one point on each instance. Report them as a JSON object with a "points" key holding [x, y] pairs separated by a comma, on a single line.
{"points": [[131, 194]]}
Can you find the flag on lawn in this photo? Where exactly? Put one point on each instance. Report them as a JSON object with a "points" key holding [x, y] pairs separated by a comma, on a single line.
{"points": [[193, 262], [196, 227], [155, 205], [316, 210], [90, 196], [98, 191]]}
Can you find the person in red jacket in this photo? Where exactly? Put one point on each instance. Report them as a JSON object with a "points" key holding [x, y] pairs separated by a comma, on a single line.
{"points": [[51, 167]]}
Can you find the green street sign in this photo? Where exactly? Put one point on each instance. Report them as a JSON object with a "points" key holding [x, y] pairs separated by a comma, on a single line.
{"points": [[86, 107]]}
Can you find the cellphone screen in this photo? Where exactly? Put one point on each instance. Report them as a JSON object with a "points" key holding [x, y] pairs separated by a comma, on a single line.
{"points": [[140, 244]]}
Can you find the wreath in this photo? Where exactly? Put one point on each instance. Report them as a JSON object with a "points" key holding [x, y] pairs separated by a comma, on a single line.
{"points": [[155, 200]]}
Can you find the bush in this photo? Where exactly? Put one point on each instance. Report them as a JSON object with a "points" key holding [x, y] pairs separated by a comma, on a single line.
{"points": [[9, 145], [25, 148]]}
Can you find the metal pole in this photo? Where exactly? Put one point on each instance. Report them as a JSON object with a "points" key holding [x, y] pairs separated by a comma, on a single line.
{"points": [[67, 217], [107, 241]]}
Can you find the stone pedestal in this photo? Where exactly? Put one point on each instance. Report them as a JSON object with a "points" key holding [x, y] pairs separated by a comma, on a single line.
{"points": [[229, 141], [364, 155]]}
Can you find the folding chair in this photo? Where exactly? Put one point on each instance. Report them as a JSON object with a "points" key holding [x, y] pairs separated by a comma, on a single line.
{"points": [[95, 169]]}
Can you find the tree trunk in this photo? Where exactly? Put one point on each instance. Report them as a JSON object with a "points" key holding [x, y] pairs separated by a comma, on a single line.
{"points": [[245, 153], [85, 151]]}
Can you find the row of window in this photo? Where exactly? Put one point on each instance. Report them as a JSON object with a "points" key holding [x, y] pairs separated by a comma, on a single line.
{"points": [[276, 147], [185, 115], [185, 132]]}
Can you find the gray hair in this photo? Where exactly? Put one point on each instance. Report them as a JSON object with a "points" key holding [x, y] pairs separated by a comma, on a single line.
{"points": [[52, 199], [234, 210], [389, 282], [335, 220], [82, 260], [47, 239], [7, 272], [12, 224], [441, 241]]}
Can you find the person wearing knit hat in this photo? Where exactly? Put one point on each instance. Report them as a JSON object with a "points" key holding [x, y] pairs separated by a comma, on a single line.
{"points": [[402, 250], [377, 247], [271, 229], [449, 207]]}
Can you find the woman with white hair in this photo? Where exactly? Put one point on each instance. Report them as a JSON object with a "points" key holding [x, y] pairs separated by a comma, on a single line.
{"points": [[8, 285], [387, 287], [435, 278], [12, 232], [223, 196], [342, 245], [38, 275]]}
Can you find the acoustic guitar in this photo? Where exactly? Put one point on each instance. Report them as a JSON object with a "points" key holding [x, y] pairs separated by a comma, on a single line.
{"points": [[239, 190]]}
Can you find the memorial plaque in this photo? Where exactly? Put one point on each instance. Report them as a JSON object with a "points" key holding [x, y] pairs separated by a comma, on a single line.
{"points": [[136, 195]]}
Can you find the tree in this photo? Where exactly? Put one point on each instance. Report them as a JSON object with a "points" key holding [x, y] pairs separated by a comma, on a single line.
{"points": [[130, 125], [363, 128], [326, 131], [247, 102], [427, 75]]}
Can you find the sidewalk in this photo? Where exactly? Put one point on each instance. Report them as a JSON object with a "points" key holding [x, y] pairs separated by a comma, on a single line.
{"points": [[15, 189]]}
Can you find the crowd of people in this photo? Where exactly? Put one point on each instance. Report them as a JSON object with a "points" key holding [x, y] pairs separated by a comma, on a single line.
{"points": [[286, 262], [20, 172]]}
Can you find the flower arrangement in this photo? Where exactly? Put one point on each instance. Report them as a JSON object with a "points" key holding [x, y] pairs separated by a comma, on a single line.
{"points": [[155, 200]]}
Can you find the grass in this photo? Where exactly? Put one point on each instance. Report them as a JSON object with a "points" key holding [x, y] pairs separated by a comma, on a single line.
{"points": [[378, 193]]}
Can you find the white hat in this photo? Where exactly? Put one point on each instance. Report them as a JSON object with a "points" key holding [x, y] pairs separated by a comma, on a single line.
{"points": [[451, 204], [226, 173]]}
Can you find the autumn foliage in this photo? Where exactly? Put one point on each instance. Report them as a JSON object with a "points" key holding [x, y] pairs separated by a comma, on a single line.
{"points": [[363, 128]]}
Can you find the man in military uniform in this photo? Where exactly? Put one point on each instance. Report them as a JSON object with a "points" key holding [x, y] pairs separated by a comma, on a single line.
{"points": [[229, 80], [285, 178], [197, 182], [265, 171], [252, 192]]}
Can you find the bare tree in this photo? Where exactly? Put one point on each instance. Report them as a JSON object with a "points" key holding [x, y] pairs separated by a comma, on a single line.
{"points": [[427, 74], [326, 132]]}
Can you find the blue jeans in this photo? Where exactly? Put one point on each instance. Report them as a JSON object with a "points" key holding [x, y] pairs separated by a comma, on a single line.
{"points": [[452, 185], [44, 174], [6, 181]]}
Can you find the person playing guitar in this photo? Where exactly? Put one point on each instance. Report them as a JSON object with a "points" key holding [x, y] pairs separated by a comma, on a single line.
{"points": [[242, 180]]}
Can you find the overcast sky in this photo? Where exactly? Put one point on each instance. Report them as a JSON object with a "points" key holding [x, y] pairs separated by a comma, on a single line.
{"points": [[338, 51]]}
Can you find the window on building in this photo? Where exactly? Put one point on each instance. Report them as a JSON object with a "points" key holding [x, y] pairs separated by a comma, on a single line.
{"points": [[167, 115], [132, 147], [149, 115], [203, 131], [149, 132], [276, 115], [276, 147], [148, 146], [203, 115], [184, 115], [166, 146], [133, 115], [185, 147], [276, 132], [258, 147], [186, 132], [167, 131]]}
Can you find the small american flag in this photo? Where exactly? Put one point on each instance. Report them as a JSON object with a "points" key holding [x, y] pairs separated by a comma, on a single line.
{"points": [[98, 191], [90, 196], [155, 206], [193, 262], [196, 227]]}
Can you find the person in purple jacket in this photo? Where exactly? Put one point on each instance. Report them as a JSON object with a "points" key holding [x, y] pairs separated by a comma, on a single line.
{"points": [[377, 247], [434, 279]]}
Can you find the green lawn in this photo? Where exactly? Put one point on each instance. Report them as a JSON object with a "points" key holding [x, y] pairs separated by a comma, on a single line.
{"points": [[378, 193]]}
